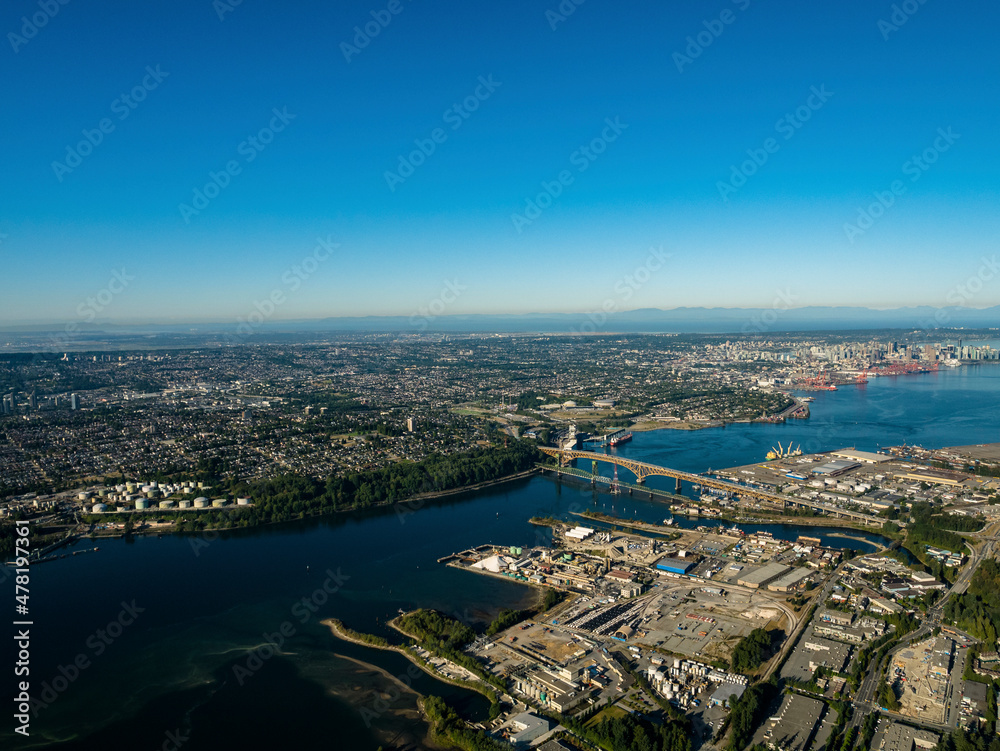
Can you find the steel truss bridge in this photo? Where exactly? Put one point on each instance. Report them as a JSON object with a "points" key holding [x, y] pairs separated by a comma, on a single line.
{"points": [[642, 470]]}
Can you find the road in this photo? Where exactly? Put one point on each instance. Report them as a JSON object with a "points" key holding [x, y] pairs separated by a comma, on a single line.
{"points": [[864, 699]]}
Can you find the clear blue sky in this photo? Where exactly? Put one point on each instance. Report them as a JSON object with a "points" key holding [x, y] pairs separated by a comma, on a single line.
{"points": [[657, 184]]}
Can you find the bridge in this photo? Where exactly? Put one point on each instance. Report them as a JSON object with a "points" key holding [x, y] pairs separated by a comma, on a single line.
{"points": [[642, 470]]}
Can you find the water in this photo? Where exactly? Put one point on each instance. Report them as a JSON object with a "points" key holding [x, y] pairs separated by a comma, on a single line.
{"points": [[205, 604]]}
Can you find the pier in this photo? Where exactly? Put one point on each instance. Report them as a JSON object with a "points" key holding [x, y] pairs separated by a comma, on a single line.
{"points": [[604, 440]]}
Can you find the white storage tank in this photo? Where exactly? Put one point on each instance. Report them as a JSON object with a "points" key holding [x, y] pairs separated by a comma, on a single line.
{"points": [[141, 504], [200, 502], [100, 508], [219, 502], [166, 504], [242, 501], [185, 504]]}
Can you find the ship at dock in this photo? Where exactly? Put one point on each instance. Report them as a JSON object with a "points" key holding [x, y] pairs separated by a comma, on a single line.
{"points": [[620, 439]]}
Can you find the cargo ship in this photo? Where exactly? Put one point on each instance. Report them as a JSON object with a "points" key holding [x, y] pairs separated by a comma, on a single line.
{"points": [[618, 440]]}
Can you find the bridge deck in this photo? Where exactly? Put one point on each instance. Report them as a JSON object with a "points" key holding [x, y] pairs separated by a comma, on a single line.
{"points": [[642, 470]]}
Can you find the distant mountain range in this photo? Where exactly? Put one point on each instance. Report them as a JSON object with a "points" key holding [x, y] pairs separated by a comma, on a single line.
{"points": [[648, 320]]}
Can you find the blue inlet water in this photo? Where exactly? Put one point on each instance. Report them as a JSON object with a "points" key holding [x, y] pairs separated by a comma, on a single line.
{"points": [[205, 604]]}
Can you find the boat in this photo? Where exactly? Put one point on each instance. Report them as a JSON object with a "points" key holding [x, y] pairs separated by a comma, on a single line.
{"points": [[618, 440]]}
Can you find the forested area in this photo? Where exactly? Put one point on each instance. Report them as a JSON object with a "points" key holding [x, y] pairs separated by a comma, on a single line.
{"points": [[446, 637], [436, 631], [752, 650], [448, 727], [977, 610], [964, 739], [288, 497], [630, 733], [746, 713]]}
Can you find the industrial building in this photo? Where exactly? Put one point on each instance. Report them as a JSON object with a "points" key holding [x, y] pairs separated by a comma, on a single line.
{"points": [[764, 575], [791, 581], [813, 652], [936, 476], [550, 690], [899, 737], [861, 456], [792, 728], [725, 692], [835, 468], [675, 565], [528, 727]]}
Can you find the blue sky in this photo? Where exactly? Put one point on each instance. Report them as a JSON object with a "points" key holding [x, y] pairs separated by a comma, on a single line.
{"points": [[687, 116]]}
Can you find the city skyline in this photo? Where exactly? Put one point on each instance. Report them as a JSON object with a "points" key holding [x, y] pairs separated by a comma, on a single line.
{"points": [[364, 160]]}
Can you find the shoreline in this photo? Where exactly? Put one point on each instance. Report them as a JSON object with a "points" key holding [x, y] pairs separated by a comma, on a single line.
{"points": [[337, 628], [432, 495]]}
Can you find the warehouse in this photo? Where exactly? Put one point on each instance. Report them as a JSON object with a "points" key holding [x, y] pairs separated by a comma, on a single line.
{"points": [[675, 565], [725, 692], [756, 579], [790, 581], [861, 456], [792, 728], [835, 468]]}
